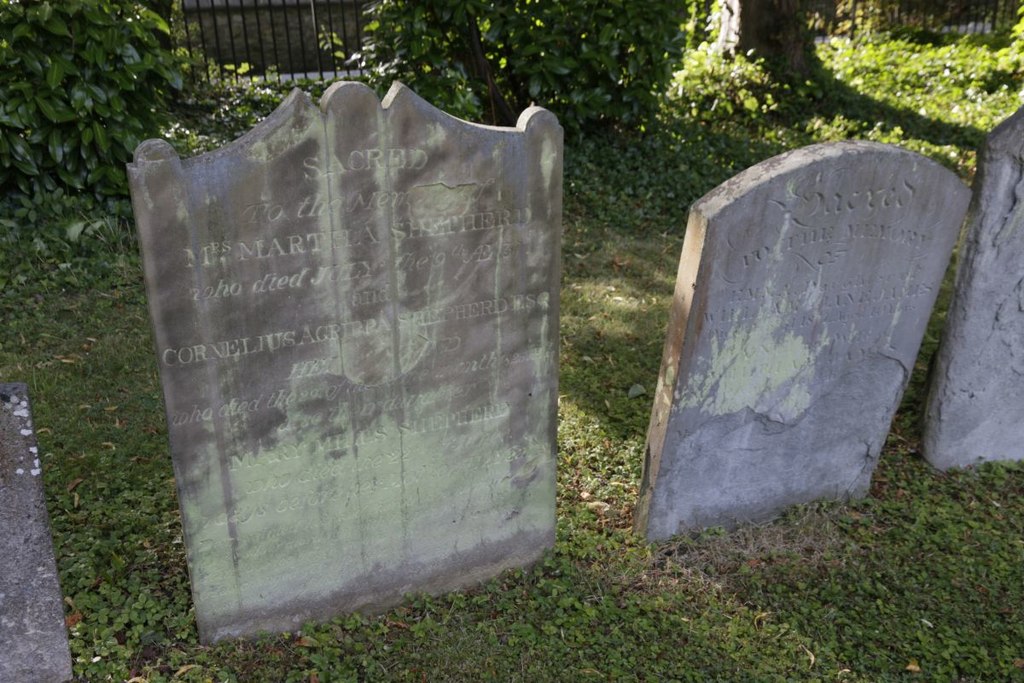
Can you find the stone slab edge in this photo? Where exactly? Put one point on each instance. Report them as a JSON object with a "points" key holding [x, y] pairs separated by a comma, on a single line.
{"points": [[33, 638], [974, 411]]}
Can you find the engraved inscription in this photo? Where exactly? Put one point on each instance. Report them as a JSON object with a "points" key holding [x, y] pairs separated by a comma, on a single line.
{"points": [[443, 225], [316, 205], [820, 227], [233, 349], [366, 160], [820, 236], [300, 244], [806, 199]]}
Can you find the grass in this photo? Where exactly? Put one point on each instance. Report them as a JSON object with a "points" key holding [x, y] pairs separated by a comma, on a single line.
{"points": [[921, 580]]}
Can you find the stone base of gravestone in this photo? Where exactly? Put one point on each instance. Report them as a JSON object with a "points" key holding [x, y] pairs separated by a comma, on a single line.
{"points": [[803, 292], [33, 639], [975, 409]]}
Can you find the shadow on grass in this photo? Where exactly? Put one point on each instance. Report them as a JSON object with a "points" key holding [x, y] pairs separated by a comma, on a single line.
{"points": [[627, 200]]}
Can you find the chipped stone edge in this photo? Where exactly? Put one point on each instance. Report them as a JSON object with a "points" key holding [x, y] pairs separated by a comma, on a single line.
{"points": [[14, 399]]}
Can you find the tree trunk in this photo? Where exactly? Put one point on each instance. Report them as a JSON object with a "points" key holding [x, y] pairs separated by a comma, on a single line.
{"points": [[773, 29]]}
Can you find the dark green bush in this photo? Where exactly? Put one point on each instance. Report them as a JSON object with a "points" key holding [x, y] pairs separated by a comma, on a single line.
{"points": [[81, 84], [592, 62]]}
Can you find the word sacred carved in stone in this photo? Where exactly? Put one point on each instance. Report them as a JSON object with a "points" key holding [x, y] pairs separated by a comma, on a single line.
{"points": [[356, 316]]}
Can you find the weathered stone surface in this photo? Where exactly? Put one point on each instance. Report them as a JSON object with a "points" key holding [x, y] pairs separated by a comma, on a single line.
{"points": [[975, 408], [803, 291], [33, 640], [356, 318]]}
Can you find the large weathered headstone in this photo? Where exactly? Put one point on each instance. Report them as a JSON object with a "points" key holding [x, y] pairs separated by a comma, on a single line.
{"points": [[803, 291], [356, 317], [975, 409], [33, 639]]}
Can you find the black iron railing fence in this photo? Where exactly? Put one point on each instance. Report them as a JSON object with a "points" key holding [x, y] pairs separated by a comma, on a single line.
{"points": [[857, 17], [287, 39], [279, 39]]}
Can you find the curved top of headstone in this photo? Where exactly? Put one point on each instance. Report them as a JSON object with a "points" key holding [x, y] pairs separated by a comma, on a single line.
{"points": [[298, 107], [825, 153], [1006, 138]]}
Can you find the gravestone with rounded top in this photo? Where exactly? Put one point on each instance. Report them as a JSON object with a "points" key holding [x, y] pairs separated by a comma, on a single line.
{"points": [[975, 408], [33, 639], [356, 317], [803, 291]]}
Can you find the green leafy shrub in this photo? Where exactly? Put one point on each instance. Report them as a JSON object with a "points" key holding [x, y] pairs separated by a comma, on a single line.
{"points": [[1012, 56], [712, 88], [81, 84], [592, 62], [56, 241], [969, 85], [210, 114]]}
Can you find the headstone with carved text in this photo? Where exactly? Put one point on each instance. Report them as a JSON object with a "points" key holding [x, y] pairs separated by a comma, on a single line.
{"points": [[975, 408], [33, 638], [356, 317], [803, 291]]}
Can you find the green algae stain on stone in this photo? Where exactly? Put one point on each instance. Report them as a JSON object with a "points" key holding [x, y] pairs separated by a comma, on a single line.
{"points": [[758, 367], [355, 312]]}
